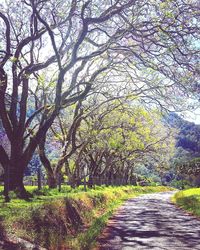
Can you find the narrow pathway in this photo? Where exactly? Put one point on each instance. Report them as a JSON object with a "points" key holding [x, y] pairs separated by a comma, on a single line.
{"points": [[151, 222]]}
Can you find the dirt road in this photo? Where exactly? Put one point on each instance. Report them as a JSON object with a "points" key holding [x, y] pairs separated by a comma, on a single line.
{"points": [[151, 222]]}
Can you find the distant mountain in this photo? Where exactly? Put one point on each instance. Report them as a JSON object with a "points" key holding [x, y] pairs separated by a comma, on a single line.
{"points": [[188, 136]]}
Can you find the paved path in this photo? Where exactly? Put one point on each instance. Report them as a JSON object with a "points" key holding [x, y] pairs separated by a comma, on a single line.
{"points": [[151, 222]]}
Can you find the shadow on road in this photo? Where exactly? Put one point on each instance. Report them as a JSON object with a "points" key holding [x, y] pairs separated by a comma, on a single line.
{"points": [[151, 222]]}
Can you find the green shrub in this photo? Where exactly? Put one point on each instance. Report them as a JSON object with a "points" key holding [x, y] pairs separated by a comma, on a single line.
{"points": [[189, 200], [56, 219]]}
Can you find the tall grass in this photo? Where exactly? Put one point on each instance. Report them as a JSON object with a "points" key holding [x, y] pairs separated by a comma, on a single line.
{"points": [[189, 200], [71, 218]]}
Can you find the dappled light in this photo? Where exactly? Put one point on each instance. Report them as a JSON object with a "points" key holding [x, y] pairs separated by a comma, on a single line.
{"points": [[95, 99], [151, 222]]}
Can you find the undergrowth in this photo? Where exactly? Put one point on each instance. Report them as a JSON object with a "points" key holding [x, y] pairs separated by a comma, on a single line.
{"points": [[68, 219], [189, 200]]}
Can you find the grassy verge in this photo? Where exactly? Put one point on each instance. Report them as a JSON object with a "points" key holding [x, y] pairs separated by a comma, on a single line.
{"points": [[72, 218], [189, 200]]}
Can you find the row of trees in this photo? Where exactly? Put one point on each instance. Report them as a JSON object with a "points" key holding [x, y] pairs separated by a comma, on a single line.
{"points": [[104, 144], [57, 54]]}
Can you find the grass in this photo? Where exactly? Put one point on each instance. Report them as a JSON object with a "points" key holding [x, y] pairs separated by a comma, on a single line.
{"points": [[189, 200], [72, 218]]}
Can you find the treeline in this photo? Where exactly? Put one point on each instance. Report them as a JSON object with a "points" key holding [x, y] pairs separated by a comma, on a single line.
{"points": [[102, 143], [184, 165], [73, 75], [99, 142], [188, 137]]}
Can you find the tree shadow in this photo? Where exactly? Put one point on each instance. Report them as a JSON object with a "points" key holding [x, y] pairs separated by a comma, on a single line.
{"points": [[146, 223], [52, 226], [4, 242]]}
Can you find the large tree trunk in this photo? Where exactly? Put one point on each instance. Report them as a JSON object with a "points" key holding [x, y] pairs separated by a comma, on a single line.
{"points": [[51, 179], [14, 171], [53, 172], [90, 181], [16, 168], [16, 175], [39, 178], [4, 160], [72, 181], [6, 184], [15, 178]]}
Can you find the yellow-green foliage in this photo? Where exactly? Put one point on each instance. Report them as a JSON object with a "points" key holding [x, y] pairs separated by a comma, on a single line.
{"points": [[189, 200], [130, 129], [73, 218]]}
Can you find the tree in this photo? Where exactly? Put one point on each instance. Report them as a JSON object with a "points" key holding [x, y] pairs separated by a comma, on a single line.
{"points": [[116, 138], [84, 39], [64, 139], [67, 35], [4, 172], [63, 135]]}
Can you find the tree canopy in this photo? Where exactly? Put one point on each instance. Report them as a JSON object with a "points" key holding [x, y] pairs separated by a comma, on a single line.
{"points": [[54, 54]]}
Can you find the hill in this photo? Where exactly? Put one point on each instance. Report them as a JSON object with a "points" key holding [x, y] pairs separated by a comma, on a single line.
{"points": [[188, 137]]}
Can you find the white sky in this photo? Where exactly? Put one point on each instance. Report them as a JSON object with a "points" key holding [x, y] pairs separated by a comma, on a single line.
{"points": [[192, 116]]}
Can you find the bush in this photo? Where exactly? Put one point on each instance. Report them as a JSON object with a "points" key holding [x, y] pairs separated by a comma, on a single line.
{"points": [[189, 200], [180, 184]]}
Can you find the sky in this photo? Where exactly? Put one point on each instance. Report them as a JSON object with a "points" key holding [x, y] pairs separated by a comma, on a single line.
{"points": [[192, 116]]}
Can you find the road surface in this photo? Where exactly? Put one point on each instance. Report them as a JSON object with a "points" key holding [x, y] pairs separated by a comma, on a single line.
{"points": [[151, 222]]}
